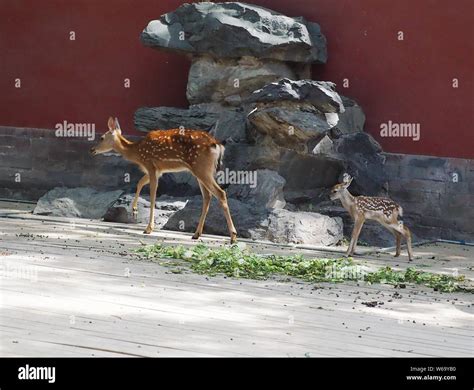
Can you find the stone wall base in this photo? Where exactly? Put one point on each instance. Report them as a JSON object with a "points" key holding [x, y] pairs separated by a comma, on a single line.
{"points": [[437, 194], [33, 161]]}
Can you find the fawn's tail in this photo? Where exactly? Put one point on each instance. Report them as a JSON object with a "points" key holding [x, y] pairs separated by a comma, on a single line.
{"points": [[219, 153]]}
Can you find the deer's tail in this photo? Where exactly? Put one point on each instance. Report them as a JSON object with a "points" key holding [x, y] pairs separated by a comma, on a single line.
{"points": [[220, 158], [219, 152]]}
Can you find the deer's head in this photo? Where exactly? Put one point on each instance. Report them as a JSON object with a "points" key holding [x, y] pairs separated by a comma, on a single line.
{"points": [[107, 141], [338, 190]]}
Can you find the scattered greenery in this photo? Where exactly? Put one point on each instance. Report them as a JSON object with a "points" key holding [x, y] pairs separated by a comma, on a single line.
{"points": [[239, 262], [439, 282]]}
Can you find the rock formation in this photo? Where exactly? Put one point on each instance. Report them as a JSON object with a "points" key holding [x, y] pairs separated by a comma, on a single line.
{"points": [[250, 85], [76, 202], [236, 30]]}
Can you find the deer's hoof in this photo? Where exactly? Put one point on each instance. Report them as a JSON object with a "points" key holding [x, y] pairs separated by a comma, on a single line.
{"points": [[397, 255], [196, 236], [148, 230], [233, 238]]}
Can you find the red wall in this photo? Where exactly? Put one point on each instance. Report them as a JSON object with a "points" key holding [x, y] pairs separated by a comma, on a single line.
{"points": [[82, 80]]}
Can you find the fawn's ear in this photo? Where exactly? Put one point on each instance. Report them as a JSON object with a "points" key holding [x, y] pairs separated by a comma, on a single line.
{"points": [[117, 126], [347, 179], [111, 124]]}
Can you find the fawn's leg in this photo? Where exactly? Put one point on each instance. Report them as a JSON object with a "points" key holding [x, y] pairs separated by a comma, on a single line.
{"points": [[398, 239], [220, 194], [142, 182], [405, 232], [153, 188], [358, 223], [206, 200], [407, 235]]}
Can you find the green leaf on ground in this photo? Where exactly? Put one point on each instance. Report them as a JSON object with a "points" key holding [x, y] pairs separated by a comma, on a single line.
{"points": [[234, 261]]}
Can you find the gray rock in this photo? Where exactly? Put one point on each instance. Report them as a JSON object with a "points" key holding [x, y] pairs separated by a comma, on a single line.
{"points": [[358, 143], [153, 118], [226, 124], [179, 184], [234, 30], [231, 80], [302, 199], [320, 94], [292, 125], [361, 156], [165, 206], [307, 176], [324, 147], [303, 228], [242, 156], [231, 126], [276, 225], [363, 159], [247, 219], [352, 120], [267, 192], [80, 202], [171, 203]]}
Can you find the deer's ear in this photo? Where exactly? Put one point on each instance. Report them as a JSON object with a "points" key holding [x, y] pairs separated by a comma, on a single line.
{"points": [[111, 124], [346, 180], [117, 126]]}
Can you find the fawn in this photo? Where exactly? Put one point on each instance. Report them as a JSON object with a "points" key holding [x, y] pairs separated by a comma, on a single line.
{"points": [[175, 150], [383, 210]]}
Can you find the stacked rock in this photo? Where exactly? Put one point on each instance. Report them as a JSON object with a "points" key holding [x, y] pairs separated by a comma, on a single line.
{"points": [[250, 85]]}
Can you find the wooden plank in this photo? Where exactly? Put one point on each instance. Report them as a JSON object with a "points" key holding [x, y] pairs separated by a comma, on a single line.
{"points": [[211, 339], [69, 300], [154, 311]]}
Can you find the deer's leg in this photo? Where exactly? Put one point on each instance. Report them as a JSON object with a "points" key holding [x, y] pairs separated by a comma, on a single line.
{"points": [[407, 235], [206, 200], [153, 188], [220, 194], [358, 223], [402, 230], [398, 238], [143, 182]]}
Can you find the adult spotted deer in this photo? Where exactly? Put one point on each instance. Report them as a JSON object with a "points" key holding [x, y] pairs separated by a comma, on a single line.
{"points": [[383, 210], [174, 150]]}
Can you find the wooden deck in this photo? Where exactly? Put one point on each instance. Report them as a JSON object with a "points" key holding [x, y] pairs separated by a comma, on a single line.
{"points": [[69, 288]]}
